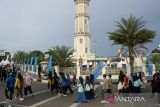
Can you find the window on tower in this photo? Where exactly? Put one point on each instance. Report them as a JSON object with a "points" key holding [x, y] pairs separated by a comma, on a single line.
{"points": [[81, 41], [81, 30], [86, 50], [85, 21]]}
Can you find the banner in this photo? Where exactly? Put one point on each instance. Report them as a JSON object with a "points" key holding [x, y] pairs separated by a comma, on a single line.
{"points": [[27, 61], [149, 63], [23, 66], [35, 64], [49, 64], [30, 66], [99, 67]]}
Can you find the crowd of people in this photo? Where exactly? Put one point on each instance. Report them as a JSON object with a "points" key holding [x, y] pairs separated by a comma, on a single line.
{"points": [[63, 83], [16, 82], [132, 84]]}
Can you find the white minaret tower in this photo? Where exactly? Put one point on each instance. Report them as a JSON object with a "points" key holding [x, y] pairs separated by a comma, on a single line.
{"points": [[81, 35]]}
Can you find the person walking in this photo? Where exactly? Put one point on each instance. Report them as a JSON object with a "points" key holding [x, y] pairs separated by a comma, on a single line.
{"points": [[158, 87], [69, 83], [50, 81], [92, 92], [74, 80], [87, 89], [39, 71], [80, 96], [14, 70], [120, 82], [19, 86], [63, 82], [109, 83], [28, 79], [56, 82], [0, 73], [155, 83], [103, 88], [10, 86], [126, 84], [4, 74], [137, 84]]}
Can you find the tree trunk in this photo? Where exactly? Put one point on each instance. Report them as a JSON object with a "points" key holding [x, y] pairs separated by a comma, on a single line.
{"points": [[131, 60]]}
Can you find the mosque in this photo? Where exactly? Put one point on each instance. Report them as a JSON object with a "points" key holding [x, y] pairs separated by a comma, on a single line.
{"points": [[82, 41], [82, 37]]}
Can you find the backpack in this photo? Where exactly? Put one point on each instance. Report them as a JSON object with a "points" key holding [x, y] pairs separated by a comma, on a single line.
{"points": [[120, 86], [18, 84], [87, 87]]}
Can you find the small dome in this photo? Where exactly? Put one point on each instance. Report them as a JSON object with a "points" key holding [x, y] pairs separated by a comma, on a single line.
{"points": [[156, 51]]}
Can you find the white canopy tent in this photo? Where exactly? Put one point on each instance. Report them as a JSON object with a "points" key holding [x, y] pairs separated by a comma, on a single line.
{"points": [[85, 63], [121, 63]]}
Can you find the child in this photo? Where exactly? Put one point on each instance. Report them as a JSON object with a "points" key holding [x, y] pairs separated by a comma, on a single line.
{"points": [[19, 86]]}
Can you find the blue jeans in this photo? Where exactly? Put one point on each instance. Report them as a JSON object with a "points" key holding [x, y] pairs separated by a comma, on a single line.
{"points": [[80, 97]]}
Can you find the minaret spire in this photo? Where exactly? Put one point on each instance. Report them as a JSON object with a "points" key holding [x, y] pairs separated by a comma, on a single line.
{"points": [[82, 36]]}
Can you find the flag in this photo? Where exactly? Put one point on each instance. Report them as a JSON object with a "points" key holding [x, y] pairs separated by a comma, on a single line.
{"points": [[23, 66], [27, 61], [100, 65], [27, 64], [35, 64], [30, 66], [49, 64], [149, 65]]}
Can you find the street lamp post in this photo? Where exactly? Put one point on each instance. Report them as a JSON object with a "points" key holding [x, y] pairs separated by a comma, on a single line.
{"points": [[80, 63], [95, 43]]}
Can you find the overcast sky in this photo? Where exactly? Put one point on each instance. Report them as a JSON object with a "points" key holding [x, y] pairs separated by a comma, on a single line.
{"points": [[40, 24]]}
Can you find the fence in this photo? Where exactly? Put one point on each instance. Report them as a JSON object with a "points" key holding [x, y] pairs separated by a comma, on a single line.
{"points": [[109, 70]]}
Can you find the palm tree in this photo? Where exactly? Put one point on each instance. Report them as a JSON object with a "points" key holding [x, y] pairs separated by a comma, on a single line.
{"points": [[155, 58], [62, 55], [37, 53], [19, 57], [132, 35]]}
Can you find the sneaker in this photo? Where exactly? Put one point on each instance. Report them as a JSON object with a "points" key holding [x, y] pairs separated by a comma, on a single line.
{"points": [[32, 95], [59, 93], [85, 101], [103, 101], [21, 99], [75, 102], [107, 102], [7, 99], [95, 96], [64, 95]]}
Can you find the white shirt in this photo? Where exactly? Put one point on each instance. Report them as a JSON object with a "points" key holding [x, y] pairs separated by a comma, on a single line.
{"points": [[80, 88]]}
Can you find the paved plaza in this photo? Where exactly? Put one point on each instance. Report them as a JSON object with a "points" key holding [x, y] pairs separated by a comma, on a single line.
{"points": [[43, 98]]}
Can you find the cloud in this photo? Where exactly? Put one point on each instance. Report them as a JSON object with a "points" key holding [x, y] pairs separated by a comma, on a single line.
{"points": [[39, 24]]}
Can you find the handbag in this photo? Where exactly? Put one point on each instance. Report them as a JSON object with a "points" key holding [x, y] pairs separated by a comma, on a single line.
{"points": [[120, 86]]}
